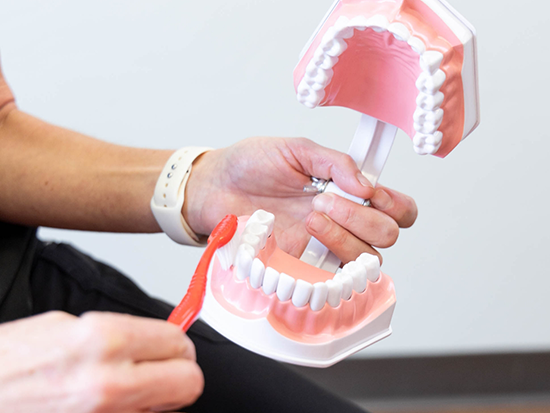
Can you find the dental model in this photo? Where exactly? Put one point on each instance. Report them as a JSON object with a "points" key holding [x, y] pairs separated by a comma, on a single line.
{"points": [[408, 64]]}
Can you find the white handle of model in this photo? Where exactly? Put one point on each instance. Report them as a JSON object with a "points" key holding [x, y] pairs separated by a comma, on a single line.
{"points": [[370, 149]]}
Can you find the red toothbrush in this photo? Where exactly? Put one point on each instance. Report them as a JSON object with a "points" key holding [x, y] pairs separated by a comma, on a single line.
{"points": [[190, 306]]}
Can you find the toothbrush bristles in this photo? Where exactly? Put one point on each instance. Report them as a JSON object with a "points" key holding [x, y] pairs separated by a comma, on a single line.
{"points": [[226, 254]]}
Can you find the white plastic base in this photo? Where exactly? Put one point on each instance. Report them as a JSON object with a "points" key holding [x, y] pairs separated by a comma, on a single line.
{"points": [[261, 338]]}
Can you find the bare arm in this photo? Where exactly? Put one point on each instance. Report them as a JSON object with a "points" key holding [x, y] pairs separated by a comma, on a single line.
{"points": [[55, 177]]}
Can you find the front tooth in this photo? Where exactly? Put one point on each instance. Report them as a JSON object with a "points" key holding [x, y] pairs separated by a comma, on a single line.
{"points": [[334, 293], [372, 265], [359, 23], [302, 293], [259, 231], [347, 284], [399, 31], [359, 275], [417, 45], [431, 84], [285, 288], [378, 23], [430, 102], [257, 272], [318, 296], [430, 61], [253, 241], [243, 261], [271, 279]]}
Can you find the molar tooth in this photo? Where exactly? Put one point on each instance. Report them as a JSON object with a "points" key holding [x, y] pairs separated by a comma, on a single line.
{"points": [[328, 62], [431, 84], [303, 89], [427, 143], [342, 27], [271, 279], [347, 284], [430, 61], [318, 86], [358, 273], [285, 287], [324, 76], [329, 35], [257, 273], [359, 23], [311, 69], [417, 45], [259, 231], [372, 265], [334, 293], [302, 293], [399, 31], [318, 296], [430, 102], [243, 261], [378, 23]]}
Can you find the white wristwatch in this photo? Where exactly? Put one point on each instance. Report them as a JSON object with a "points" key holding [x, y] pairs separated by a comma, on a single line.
{"points": [[169, 196]]}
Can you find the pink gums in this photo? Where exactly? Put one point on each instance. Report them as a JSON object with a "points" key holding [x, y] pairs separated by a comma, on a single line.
{"points": [[376, 75], [299, 324]]}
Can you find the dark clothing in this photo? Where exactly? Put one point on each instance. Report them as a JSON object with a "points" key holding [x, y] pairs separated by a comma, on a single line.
{"points": [[36, 277]]}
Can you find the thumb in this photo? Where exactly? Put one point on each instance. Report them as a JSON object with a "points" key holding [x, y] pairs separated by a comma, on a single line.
{"points": [[320, 162]]}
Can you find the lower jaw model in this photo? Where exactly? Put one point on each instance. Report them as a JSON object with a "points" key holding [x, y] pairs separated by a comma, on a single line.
{"points": [[278, 306], [408, 64]]}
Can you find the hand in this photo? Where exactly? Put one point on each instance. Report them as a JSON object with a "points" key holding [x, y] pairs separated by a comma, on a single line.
{"points": [[270, 173], [96, 363]]}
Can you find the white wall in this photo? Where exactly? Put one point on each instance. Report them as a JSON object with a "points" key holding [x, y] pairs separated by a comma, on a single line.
{"points": [[470, 275]]}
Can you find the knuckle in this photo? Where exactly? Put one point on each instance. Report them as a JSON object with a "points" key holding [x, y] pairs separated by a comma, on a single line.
{"points": [[100, 336], [57, 316]]}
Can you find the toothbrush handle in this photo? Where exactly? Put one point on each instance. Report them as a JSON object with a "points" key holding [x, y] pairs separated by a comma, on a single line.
{"points": [[370, 149]]}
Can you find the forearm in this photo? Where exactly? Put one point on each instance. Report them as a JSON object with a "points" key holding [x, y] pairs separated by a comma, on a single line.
{"points": [[51, 176]]}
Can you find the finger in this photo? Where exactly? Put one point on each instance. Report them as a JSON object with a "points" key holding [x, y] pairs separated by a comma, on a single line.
{"points": [[341, 242], [400, 207], [166, 385], [110, 335], [369, 225], [318, 161]]}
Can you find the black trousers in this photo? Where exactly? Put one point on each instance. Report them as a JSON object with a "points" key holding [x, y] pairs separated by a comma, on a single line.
{"points": [[236, 380]]}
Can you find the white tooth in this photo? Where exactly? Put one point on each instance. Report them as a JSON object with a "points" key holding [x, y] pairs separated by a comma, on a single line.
{"points": [[329, 35], [328, 62], [252, 240], [359, 274], [427, 144], [430, 116], [285, 288], [430, 102], [435, 139], [346, 32], [378, 23], [257, 230], [347, 284], [430, 61], [271, 279], [318, 86], [430, 84], [341, 23], [303, 89], [243, 261], [359, 23], [318, 296], [334, 293], [336, 48], [399, 31], [324, 76], [302, 293], [311, 70], [257, 273], [417, 45], [315, 98], [372, 264]]}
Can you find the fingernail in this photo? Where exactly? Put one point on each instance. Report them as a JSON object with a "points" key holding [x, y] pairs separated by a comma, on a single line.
{"points": [[363, 180], [323, 203], [381, 200], [319, 223]]}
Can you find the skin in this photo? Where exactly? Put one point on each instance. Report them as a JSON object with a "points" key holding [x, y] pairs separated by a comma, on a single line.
{"points": [[50, 176]]}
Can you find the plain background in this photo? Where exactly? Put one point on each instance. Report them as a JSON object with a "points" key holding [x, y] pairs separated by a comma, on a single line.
{"points": [[471, 275]]}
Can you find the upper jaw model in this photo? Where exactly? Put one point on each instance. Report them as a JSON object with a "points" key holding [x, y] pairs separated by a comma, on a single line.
{"points": [[408, 64]]}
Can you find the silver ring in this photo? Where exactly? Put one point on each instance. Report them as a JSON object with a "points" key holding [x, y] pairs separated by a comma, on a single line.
{"points": [[317, 186]]}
